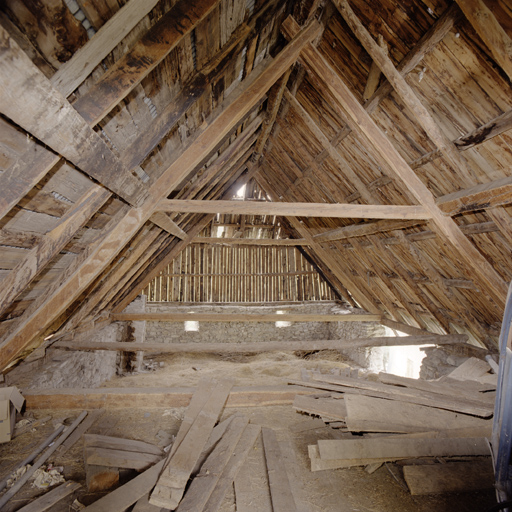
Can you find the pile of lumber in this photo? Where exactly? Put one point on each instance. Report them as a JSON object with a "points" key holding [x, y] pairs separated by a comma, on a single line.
{"points": [[205, 461], [432, 427]]}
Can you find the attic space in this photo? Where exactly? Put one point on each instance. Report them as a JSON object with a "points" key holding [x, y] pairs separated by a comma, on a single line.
{"points": [[255, 255]]}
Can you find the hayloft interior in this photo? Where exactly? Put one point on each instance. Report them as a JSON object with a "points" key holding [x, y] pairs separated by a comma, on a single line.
{"points": [[296, 210]]}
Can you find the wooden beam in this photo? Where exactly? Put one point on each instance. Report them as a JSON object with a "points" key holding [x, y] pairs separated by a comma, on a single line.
{"points": [[96, 257], [148, 398], [142, 58], [250, 241], [265, 346], [426, 44], [53, 242], [29, 99], [490, 30], [294, 209], [241, 317], [73, 72], [478, 136], [372, 82], [164, 222], [475, 263], [363, 229], [479, 197]]}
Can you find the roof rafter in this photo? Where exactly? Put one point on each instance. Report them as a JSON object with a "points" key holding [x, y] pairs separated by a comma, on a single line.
{"points": [[44, 311], [491, 282]]}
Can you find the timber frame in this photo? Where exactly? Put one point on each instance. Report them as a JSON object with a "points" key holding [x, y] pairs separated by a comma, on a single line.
{"points": [[377, 140]]}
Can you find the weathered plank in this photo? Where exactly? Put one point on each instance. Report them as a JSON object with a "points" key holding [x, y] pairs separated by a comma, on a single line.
{"points": [[250, 241], [114, 458], [363, 229], [324, 407], [171, 483], [30, 100], [479, 197], [233, 467], [117, 443], [71, 74], [204, 483], [370, 414], [119, 398], [51, 498], [398, 447], [164, 222], [280, 491], [263, 346], [473, 406], [143, 57]]}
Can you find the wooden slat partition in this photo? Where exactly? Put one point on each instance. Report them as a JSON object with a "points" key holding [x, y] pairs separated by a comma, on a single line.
{"points": [[215, 273]]}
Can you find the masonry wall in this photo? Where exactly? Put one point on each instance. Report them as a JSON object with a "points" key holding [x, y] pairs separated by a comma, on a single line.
{"points": [[237, 332]]}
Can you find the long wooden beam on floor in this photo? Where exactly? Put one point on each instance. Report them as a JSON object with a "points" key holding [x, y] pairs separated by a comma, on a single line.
{"points": [[242, 317], [26, 96], [46, 308], [350, 211], [149, 398], [265, 346], [463, 249], [251, 241]]}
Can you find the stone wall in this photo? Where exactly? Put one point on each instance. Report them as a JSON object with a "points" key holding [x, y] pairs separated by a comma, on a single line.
{"points": [[237, 332]]}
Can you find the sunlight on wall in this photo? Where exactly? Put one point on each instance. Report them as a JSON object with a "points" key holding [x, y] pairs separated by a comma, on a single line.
{"points": [[404, 361], [282, 324]]}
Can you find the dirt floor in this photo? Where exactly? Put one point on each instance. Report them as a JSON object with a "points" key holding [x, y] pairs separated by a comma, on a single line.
{"points": [[341, 490]]}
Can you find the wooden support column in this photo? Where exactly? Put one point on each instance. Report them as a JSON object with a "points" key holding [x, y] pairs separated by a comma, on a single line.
{"points": [[76, 279], [476, 264]]}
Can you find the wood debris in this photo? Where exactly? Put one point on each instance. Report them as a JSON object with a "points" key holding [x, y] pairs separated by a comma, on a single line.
{"points": [[408, 420]]}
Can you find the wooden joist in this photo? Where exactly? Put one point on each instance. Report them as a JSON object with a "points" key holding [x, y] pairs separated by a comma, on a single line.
{"points": [[51, 498], [294, 209], [462, 248], [243, 317], [95, 258], [263, 346]]}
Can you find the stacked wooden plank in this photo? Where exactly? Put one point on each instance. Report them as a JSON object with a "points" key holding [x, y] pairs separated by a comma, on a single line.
{"points": [[202, 465], [417, 422]]}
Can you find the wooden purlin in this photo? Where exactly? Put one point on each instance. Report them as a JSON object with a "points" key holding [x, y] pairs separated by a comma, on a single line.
{"points": [[491, 282]]}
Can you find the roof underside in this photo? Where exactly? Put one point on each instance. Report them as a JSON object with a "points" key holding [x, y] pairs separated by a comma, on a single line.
{"points": [[202, 96]]}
